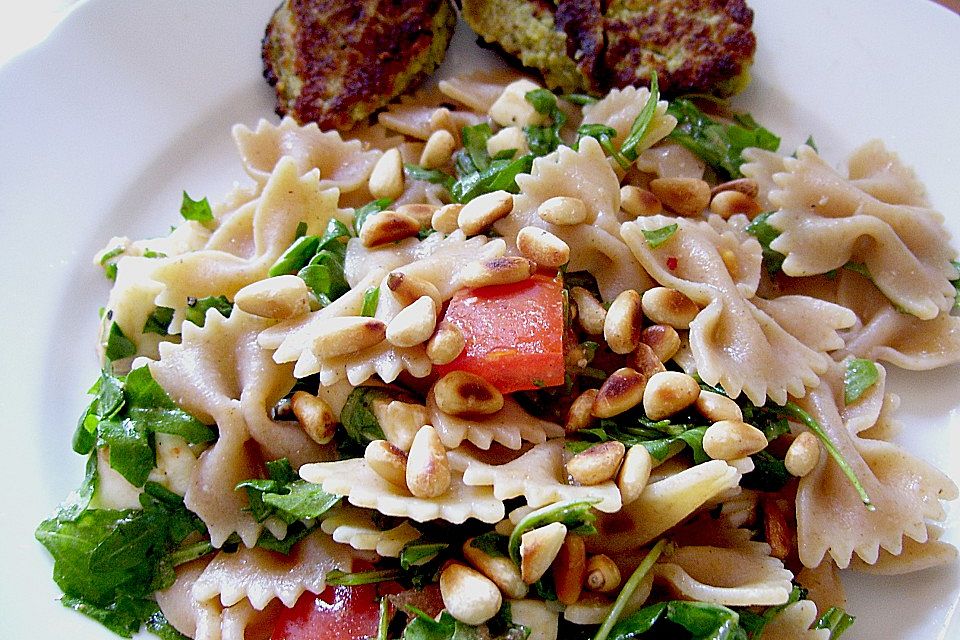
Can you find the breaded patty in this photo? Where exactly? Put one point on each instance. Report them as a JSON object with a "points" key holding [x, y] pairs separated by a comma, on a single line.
{"points": [[695, 46], [336, 62]]}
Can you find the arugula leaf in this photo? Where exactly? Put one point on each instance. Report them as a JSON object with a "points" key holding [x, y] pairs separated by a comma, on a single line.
{"points": [[661, 438], [124, 617], [419, 553], [433, 176], [78, 501], [343, 579], [499, 174], [543, 139], [196, 311], [296, 257], [357, 417], [769, 473], [131, 452], [604, 135], [702, 620], [719, 145], [147, 402], [159, 321], [324, 272], [371, 298], [622, 630], [118, 346], [836, 620], [492, 543], [765, 233], [295, 533], [656, 237], [576, 515], [371, 208], [642, 122], [109, 264], [197, 210], [579, 99], [285, 496], [859, 376]]}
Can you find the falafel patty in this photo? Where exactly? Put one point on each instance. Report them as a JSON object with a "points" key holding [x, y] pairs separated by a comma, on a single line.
{"points": [[695, 46], [337, 62]]}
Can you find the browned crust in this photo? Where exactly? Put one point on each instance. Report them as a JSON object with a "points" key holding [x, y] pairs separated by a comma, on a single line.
{"points": [[582, 22]]}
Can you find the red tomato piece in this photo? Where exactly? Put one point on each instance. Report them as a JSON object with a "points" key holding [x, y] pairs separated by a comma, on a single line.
{"points": [[339, 613], [513, 332]]}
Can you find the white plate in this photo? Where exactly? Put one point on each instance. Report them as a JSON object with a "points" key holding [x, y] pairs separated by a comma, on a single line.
{"points": [[126, 104]]}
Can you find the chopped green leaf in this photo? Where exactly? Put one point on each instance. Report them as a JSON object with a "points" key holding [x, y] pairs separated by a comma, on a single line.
{"points": [[543, 139], [576, 515], [859, 376], [358, 419], [420, 553], [196, 311], [371, 298], [765, 233], [109, 264], [296, 257], [626, 629], [285, 496], [117, 345], [196, 210], [131, 453], [491, 543], [656, 237], [433, 176], [604, 135], [342, 579], [579, 99], [836, 620], [642, 122], [769, 473], [159, 321]]}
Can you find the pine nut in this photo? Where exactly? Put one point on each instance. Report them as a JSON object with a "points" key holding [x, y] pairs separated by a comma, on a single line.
{"points": [[278, 298], [569, 569], [503, 270], [597, 464], [621, 327], [428, 470], [414, 324], [386, 179], [731, 439], [663, 339], [387, 226], [669, 307], [638, 202], [715, 407], [634, 473], [590, 313], [669, 392], [803, 454], [400, 421], [483, 211], [315, 416], [445, 218], [683, 196], [563, 210], [542, 247], [746, 186], [388, 461], [508, 138], [500, 569], [538, 548], [603, 574], [580, 414], [644, 359], [622, 391], [728, 203], [348, 334], [408, 289], [513, 108], [446, 344], [436, 153], [419, 211], [461, 393], [468, 595]]}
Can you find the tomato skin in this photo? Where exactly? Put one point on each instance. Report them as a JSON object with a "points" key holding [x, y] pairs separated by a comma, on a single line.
{"points": [[514, 333], [339, 613]]}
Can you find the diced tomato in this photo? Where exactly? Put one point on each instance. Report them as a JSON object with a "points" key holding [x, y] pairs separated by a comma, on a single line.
{"points": [[339, 613], [514, 333]]}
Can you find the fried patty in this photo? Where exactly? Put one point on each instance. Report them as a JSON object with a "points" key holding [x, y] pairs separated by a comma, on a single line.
{"points": [[695, 46], [336, 62]]}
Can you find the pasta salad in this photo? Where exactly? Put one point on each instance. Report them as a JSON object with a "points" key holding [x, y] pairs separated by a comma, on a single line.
{"points": [[510, 364]]}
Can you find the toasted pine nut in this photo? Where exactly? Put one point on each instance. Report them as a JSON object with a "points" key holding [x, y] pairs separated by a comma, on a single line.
{"points": [[419, 211], [542, 247], [513, 108], [580, 414], [414, 324], [802, 455], [644, 359], [569, 569], [386, 179], [731, 439], [715, 407], [621, 327], [315, 416], [727, 203], [590, 313], [670, 307], [563, 210], [634, 473], [445, 218], [459, 393], [389, 462], [446, 344], [623, 390], [683, 196], [388, 226], [400, 421], [408, 289], [503, 270], [468, 595], [483, 211], [428, 470], [603, 574], [778, 534], [668, 392], [437, 151], [746, 186], [508, 138], [500, 569], [638, 202], [278, 298], [348, 334], [597, 464], [538, 548], [663, 339]]}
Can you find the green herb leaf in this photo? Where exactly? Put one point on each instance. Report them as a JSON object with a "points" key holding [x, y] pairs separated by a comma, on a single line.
{"points": [[657, 237], [131, 452], [342, 579], [492, 543], [371, 298], [147, 403], [769, 473], [159, 321], [859, 376], [117, 345], [420, 553], [296, 257], [196, 210], [626, 629], [576, 515], [196, 311], [359, 421], [109, 264], [765, 234], [433, 176], [956, 285], [836, 620], [285, 496], [642, 122], [543, 139], [371, 208], [124, 617], [579, 99]]}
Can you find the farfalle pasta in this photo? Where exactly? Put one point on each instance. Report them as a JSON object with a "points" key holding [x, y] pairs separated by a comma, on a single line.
{"points": [[563, 378]]}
